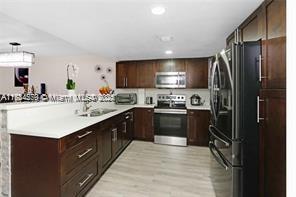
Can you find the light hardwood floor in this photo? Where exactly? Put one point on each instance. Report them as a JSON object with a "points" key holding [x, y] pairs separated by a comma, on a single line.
{"points": [[145, 169]]}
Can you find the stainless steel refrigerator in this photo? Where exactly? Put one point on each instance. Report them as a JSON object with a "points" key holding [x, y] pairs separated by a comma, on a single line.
{"points": [[234, 131]]}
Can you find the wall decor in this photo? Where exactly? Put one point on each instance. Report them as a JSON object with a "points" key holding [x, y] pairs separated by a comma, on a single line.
{"points": [[109, 70], [103, 77], [98, 68], [21, 77]]}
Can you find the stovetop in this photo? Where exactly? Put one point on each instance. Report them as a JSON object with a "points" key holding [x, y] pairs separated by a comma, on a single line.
{"points": [[168, 101]]}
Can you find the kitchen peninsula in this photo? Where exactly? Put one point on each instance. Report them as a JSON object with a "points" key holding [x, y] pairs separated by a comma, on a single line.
{"points": [[58, 144]]}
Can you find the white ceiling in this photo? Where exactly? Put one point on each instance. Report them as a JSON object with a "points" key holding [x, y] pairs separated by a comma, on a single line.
{"points": [[122, 29], [33, 40]]}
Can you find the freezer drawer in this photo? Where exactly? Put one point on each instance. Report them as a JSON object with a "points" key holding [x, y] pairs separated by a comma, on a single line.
{"points": [[227, 180]]}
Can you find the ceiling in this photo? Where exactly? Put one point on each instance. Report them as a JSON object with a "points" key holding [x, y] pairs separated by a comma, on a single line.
{"points": [[121, 29]]}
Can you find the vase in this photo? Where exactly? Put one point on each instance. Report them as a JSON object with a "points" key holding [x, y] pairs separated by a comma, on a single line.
{"points": [[72, 94]]}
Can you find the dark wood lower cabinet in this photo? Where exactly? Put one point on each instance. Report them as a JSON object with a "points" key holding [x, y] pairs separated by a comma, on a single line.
{"points": [[273, 143], [198, 122], [106, 145], [69, 166], [144, 127]]}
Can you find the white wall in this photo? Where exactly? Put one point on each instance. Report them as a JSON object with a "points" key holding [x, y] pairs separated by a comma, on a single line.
{"points": [[52, 71]]}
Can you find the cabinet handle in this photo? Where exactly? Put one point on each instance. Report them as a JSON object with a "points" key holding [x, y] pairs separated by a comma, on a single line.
{"points": [[85, 134], [258, 109], [260, 68], [192, 113], [114, 131], [126, 81], [124, 130], [85, 180], [85, 153]]}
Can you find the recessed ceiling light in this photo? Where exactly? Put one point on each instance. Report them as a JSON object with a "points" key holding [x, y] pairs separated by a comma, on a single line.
{"points": [[166, 38], [168, 52], [158, 10]]}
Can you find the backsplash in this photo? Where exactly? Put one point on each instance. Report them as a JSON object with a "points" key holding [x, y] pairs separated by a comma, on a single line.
{"points": [[143, 93]]}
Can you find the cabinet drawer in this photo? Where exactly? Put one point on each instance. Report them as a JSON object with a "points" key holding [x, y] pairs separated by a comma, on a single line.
{"points": [[76, 138], [81, 180], [76, 156]]}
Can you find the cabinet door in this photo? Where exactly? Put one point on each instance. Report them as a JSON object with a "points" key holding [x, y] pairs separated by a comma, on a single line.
{"points": [[130, 126], [171, 65], [251, 28], [197, 73], [120, 75], [116, 140], [131, 75], [144, 129], [274, 45], [106, 146], [139, 132], [230, 39], [146, 74], [149, 124], [125, 137], [273, 142], [197, 127]]}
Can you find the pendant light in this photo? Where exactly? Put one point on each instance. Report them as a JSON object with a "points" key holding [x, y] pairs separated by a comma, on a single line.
{"points": [[16, 58]]}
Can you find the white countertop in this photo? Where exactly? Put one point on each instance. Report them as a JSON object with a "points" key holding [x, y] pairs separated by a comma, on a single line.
{"points": [[201, 107], [58, 128], [24, 105], [63, 126]]}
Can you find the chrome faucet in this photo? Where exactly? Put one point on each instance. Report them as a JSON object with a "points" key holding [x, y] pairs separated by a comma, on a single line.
{"points": [[86, 107]]}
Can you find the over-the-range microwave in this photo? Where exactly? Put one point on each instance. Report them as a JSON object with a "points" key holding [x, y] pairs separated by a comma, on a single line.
{"points": [[170, 80]]}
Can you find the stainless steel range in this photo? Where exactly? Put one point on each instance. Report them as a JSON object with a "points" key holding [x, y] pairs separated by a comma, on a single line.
{"points": [[170, 120]]}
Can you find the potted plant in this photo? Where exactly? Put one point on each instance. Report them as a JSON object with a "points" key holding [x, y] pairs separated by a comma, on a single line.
{"points": [[70, 85]]}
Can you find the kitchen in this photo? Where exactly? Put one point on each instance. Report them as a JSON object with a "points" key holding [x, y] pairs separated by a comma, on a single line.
{"points": [[159, 109]]}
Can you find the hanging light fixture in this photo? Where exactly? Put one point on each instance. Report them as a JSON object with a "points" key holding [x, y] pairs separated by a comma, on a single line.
{"points": [[16, 58]]}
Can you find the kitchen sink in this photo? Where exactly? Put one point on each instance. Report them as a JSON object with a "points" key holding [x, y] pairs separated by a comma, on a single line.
{"points": [[97, 112]]}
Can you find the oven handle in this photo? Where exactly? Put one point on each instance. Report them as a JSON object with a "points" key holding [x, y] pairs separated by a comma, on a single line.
{"points": [[218, 157], [217, 137], [166, 111]]}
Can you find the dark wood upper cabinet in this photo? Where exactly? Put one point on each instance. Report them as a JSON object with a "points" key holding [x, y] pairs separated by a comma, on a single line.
{"points": [[143, 128], [230, 39], [146, 73], [274, 45], [268, 24], [141, 74], [252, 28], [197, 73], [126, 75], [170, 65], [120, 75], [198, 122]]}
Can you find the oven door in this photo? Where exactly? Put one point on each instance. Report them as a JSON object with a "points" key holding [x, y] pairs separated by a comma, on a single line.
{"points": [[170, 126]]}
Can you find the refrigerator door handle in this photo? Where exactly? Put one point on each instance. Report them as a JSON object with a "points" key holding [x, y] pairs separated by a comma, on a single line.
{"points": [[217, 137], [212, 90], [224, 57], [218, 156]]}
